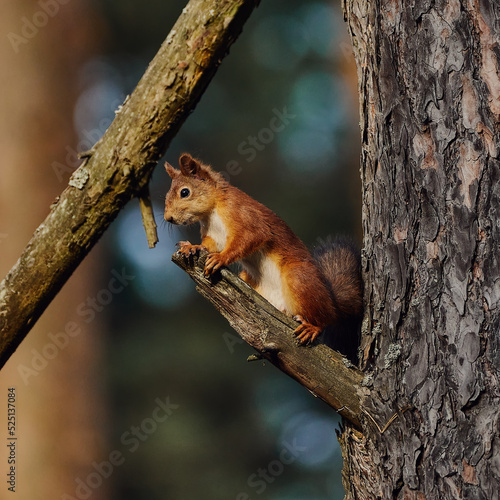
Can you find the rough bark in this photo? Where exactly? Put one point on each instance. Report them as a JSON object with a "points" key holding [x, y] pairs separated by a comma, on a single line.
{"points": [[430, 106], [119, 166], [326, 373]]}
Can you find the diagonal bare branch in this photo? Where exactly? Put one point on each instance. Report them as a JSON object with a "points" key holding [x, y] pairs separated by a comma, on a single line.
{"points": [[119, 166]]}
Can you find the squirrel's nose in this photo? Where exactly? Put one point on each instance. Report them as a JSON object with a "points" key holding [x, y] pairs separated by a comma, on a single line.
{"points": [[171, 220]]}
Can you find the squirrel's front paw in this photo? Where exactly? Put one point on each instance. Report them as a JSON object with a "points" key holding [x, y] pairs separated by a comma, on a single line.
{"points": [[186, 249], [306, 332], [213, 263]]}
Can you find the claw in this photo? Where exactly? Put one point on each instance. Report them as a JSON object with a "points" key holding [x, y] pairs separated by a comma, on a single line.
{"points": [[187, 249], [306, 332], [213, 263]]}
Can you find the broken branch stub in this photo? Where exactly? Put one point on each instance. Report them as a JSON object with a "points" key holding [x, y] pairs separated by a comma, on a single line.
{"points": [[324, 372]]}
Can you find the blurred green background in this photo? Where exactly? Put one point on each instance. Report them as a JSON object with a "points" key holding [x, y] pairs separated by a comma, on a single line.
{"points": [[235, 430], [235, 417]]}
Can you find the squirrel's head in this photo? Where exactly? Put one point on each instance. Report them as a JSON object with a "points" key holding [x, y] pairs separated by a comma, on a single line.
{"points": [[192, 195]]}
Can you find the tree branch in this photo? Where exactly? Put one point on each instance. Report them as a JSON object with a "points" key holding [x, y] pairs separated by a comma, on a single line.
{"points": [[148, 218], [119, 166], [326, 373]]}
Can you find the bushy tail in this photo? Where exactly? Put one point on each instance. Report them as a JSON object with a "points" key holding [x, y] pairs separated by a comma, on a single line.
{"points": [[340, 262]]}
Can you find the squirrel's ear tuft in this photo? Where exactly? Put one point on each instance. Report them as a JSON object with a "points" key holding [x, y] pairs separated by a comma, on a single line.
{"points": [[189, 166], [171, 171]]}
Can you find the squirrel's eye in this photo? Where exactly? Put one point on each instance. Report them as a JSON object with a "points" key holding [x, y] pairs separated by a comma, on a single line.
{"points": [[185, 192]]}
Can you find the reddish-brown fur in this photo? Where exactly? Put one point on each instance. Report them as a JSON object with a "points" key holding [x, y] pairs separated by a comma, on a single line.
{"points": [[275, 261]]}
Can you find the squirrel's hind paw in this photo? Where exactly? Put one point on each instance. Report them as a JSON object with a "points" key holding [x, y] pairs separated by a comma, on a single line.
{"points": [[306, 333]]}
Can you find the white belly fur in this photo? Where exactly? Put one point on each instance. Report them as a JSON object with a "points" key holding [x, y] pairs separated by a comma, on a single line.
{"points": [[216, 230], [262, 269], [265, 271]]}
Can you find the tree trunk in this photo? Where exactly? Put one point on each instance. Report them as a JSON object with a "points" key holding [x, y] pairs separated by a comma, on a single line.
{"points": [[429, 89]]}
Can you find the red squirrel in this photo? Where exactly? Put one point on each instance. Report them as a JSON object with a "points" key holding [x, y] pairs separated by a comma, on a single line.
{"points": [[276, 263]]}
